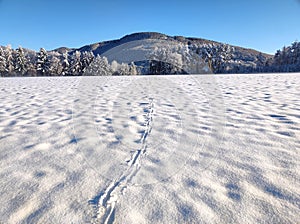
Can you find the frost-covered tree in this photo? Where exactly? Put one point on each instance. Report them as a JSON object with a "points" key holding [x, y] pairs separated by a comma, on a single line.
{"points": [[20, 61], [2, 62], [122, 69], [65, 63], [43, 62], [31, 65], [160, 61], [99, 67], [56, 67], [86, 59], [132, 69], [170, 59], [114, 67], [76, 64], [9, 60], [217, 56], [287, 59]]}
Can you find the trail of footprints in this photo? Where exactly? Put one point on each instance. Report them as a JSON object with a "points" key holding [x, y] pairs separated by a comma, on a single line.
{"points": [[107, 201]]}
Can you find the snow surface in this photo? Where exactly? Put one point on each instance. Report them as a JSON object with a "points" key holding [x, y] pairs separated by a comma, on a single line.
{"points": [[150, 149]]}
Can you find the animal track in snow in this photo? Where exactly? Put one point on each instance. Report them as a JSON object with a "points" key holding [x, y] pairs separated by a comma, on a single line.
{"points": [[107, 201]]}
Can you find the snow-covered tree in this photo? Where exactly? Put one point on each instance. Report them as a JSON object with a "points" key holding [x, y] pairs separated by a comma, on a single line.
{"points": [[56, 67], [99, 67], [86, 59], [123, 69], [65, 63], [43, 62], [2, 62], [287, 59], [20, 61], [76, 64], [31, 65], [132, 69], [9, 60], [217, 56], [158, 61], [170, 59]]}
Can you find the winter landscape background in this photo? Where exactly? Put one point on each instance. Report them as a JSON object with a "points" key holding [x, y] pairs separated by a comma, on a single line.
{"points": [[147, 53]]}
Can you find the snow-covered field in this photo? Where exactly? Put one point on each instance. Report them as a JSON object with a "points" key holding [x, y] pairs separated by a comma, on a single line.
{"points": [[150, 149]]}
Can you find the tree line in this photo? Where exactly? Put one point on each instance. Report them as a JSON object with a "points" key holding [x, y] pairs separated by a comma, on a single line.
{"points": [[287, 59], [18, 63], [169, 59]]}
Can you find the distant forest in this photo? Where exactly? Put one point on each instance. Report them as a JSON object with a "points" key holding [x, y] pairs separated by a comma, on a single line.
{"points": [[215, 58]]}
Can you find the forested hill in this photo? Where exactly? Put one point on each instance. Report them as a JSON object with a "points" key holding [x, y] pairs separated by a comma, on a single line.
{"points": [[147, 53]]}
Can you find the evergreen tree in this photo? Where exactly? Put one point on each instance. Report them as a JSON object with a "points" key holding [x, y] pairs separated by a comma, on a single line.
{"points": [[2, 62], [56, 67], [76, 64], [287, 59], [43, 62], [86, 59], [31, 65], [9, 60], [99, 67], [65, 63], [20, 61]]}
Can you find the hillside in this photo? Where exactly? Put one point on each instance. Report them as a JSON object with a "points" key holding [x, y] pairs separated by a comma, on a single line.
{"points": [[240, 59], [147, 53], [102, 47]]}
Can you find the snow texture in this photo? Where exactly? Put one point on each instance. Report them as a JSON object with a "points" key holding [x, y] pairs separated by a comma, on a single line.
{"points": [[150, 149]]}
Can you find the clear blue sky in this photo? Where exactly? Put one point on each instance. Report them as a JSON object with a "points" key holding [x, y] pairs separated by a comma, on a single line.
{"points": [[265, 25]]}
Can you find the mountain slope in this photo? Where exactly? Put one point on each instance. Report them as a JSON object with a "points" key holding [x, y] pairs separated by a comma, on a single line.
{"points": [[151, 52], [101, 47], [138, 46]]}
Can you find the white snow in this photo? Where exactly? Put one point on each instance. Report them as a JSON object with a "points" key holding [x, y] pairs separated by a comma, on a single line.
{"points": [[150, 149]]}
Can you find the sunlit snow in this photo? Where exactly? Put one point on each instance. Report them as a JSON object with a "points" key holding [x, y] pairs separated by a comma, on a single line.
{"points": [[150, 149]]}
